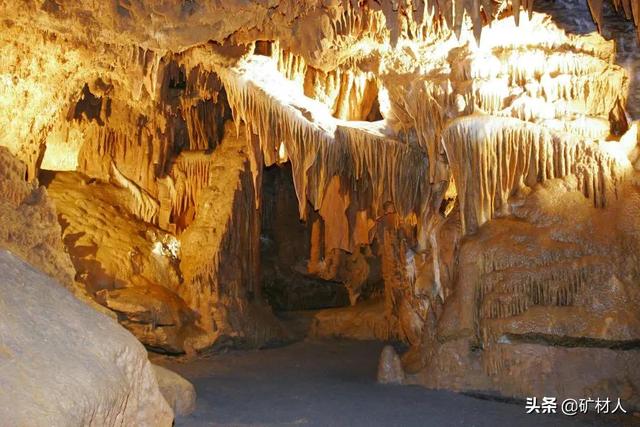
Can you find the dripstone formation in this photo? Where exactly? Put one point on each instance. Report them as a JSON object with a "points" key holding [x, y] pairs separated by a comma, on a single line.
{"points": [[459, 176]]}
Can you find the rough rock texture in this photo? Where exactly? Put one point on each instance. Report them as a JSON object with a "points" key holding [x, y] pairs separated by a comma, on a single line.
{"points": [[63, 364], [390, 367], [177, 391], [175, 292], [575, 16], [364, 321], [130, 266], [159, 318], [221, 256], [29, 224], [29, 227], [546, 294]]}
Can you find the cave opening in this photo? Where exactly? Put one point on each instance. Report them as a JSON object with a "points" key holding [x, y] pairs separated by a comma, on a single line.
{"points": [[316, 292], [285, 244]]}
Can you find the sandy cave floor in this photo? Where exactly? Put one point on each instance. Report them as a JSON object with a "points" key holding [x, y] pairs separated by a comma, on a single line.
{"points": [[332, 383]]}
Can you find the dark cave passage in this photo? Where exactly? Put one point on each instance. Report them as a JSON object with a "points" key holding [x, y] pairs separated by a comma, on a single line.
{"points": [[334, 294], [285, 247]]}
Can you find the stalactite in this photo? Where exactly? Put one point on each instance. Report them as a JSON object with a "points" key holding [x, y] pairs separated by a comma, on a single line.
{"points": [[350, 93], [191, 172], [135, 152], [427, 104], [629, 8], [315, 256], [205, 123], [513, 292], [536, 84], [421, 16], [320, 147], [293, 67], [453, 12], [192, 109], [144, 207], [361, 20], [493, 158], [557, 81]]}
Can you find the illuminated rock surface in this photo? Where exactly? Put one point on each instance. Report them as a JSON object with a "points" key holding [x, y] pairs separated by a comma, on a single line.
{"points": [[461, 177], [48, 373]]}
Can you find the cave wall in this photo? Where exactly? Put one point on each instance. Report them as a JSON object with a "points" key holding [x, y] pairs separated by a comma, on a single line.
{"points": [[545, 294], [221, 256]]}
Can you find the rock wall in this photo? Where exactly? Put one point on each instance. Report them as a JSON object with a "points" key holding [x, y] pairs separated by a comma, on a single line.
{"points": [[221, 256], [176, 292], [129, 266], [542, 291], [25, 204], [29, 226]]}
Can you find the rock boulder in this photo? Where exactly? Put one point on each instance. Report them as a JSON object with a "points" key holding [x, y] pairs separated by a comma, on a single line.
{"points": [[64, 364], [177, 391]]}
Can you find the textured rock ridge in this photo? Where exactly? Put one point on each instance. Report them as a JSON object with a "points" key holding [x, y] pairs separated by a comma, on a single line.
{"points": [[29, 227]]}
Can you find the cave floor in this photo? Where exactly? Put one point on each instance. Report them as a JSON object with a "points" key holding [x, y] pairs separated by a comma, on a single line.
{"points": [[332, 383]]}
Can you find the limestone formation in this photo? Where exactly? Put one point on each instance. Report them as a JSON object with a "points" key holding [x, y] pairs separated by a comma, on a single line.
{"points": [[29, 227], [459, 176], [390, 367], [178, 392], [364, 321], [63, 364], [126, 265], [220, 256]]}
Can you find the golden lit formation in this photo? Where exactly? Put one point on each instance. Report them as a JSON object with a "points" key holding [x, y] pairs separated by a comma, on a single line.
{"points": [[457, 178]]}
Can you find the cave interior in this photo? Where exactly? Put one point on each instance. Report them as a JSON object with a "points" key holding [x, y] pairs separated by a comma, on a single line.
{"points": [[460, 180]]}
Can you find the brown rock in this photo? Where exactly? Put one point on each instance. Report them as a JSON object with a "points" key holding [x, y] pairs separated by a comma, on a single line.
{"points": [[485, 178], [29, 227], [364, 321], [389, 367]]}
